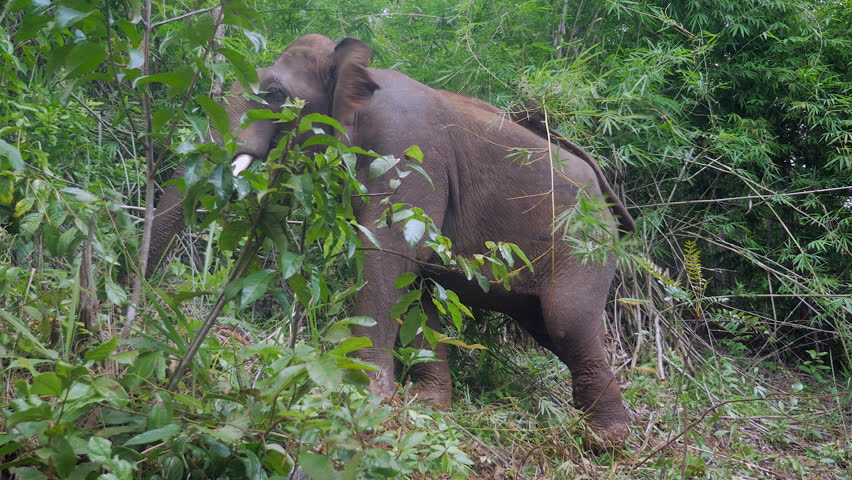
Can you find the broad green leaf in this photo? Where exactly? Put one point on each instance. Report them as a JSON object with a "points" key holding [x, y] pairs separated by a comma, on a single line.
{"points": [[290, 263], [351, 344], [245, 72], [414, 319], [103, 350], [84, 59], [27, 473], [422, 172], [234, 430], [307, 122], [483, 282], [413, 231], [370, 236], [318, 467], [136, 59], [360, 321], [405, 301], [179, 79], [405, 279], [62, 455], [24, 205], [216, 113], [115, 293], [255, 285], [415, 153], [326, 373], [99, 449], [32, 414], [7, 190], [381, 165], [66, 16], [10, 158], [154, 436], [80, 195], [47, 384]]}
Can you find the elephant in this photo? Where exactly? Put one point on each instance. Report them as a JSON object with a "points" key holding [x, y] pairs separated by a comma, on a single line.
{"points": [[479, 191]]}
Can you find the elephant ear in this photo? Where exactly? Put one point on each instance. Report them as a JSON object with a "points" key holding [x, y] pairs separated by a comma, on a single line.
{"points": [[353, 86]]}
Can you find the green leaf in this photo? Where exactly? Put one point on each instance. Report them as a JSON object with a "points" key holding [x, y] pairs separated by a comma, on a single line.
{"points": [[370, 236], [137, 59], [381, 165], [27, 473], [24, 205], [216, 113], [99, 449], [47, 384], [179, 79], [30, 223], [520, 254], [154, 436], [401, 305], [115, 293], [245, 72], [413, 231], [235, 429], [7, 190], [63, 456], [102, 351], [255, 285], [360, 321], [307, 122], [11, 158], [80, 195], [351, 344], [483, 282], [405, 279], [290, 264], [32, 414], [422, 172], [84, 58], [414, 319], [415, 153], [66, 16], [326, 373], [318, 467]]}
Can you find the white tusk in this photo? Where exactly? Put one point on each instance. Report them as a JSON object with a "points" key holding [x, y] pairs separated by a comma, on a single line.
{"points": [[241, 163]]}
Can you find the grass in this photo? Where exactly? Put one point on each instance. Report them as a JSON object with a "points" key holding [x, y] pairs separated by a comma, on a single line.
{"points": [[725, 418]]}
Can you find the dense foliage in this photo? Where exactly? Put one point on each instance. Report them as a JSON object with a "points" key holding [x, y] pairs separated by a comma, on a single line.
{"points": [[725, 125]]}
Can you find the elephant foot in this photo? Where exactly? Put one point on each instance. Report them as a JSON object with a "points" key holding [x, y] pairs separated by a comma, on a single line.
{"points": [[383, 384], [439, 398], [605, 437]]}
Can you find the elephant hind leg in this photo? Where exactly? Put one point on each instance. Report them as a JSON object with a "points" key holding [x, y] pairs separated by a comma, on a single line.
{"points": [[572, 307]]}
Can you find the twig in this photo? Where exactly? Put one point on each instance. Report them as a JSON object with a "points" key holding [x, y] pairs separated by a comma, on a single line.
{"points": [[396, 14], [185, 15], [744, 197]]}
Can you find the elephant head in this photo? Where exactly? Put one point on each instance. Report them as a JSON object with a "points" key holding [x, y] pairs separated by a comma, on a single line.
{"points": [[331, 78]]}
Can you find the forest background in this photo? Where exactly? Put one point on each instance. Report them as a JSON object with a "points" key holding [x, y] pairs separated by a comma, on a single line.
{"points": [[725, 127]]}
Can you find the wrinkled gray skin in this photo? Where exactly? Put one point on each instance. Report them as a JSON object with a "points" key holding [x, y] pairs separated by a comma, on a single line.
{"points": [[482, 191]]}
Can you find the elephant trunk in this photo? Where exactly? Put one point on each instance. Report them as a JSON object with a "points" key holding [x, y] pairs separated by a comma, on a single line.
{"points": [[168, 221], [254, 140]]}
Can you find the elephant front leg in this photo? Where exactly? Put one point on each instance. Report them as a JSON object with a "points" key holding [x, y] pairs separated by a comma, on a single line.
{"points": [[375, 300], [434, 383]]}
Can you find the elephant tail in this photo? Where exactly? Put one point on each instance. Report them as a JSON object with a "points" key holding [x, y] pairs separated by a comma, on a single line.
{"points": [[533, 120]]}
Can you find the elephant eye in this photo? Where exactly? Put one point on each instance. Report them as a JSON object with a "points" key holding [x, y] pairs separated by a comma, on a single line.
{"points": [[275, 97]]}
